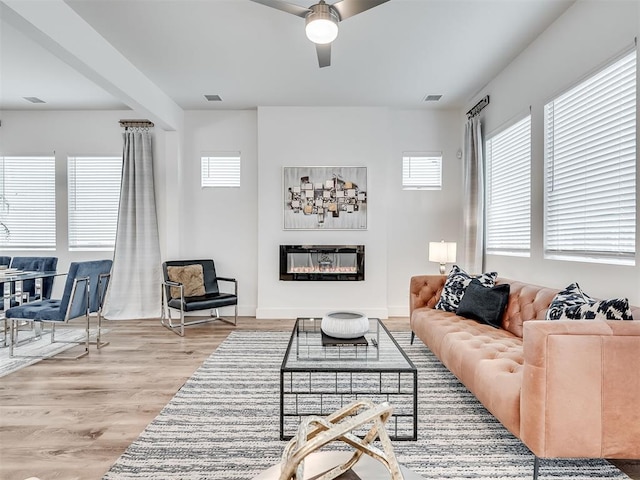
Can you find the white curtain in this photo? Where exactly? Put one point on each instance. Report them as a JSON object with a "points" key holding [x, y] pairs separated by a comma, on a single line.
{"points": [[134, 289], [473, 241]]}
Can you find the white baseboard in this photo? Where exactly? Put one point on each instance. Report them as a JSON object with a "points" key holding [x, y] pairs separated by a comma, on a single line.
{"points": [[295, 312], [399, 311]]}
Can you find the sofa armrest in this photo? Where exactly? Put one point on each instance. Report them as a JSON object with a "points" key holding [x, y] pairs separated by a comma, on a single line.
{"points": [[581, 388], [424, 291]]}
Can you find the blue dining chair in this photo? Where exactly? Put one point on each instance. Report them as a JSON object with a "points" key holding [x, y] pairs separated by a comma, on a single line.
{"points": [[36, 264], [79, 299], [4, 261], [97, 296]]}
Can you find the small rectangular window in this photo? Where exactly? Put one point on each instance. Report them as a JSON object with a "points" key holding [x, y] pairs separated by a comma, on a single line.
{"points": [[94, 196], [220, 169], [28, 202], [508, 201], [422, 171]]}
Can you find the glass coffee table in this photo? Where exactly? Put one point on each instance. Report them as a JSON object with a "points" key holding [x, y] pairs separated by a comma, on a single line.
{"points": [[318, 378]]}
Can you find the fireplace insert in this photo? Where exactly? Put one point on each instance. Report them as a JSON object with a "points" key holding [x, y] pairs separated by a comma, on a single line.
{"points": [[321, 262]]}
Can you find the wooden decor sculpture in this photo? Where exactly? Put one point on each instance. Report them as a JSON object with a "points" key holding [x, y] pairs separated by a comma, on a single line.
{"points": [[315, 432]]}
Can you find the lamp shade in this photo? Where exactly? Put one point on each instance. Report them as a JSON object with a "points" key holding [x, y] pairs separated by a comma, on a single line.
{"points": [[442, 252]]}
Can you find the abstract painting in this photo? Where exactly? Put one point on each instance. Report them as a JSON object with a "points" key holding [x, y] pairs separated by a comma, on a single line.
{"points": [[329, 198]]}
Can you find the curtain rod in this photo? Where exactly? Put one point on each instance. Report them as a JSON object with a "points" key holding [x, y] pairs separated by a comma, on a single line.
{"points": [[136, 123], [477, 108]]}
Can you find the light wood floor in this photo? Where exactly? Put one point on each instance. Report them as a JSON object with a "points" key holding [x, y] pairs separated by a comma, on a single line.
{"points": [[71, 420]]}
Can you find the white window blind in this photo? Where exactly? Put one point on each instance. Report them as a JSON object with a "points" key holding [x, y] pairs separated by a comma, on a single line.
{"points": [[94, 196], [509, 190], [220, 170], [28, 202], [422, 171], [590, 154]]}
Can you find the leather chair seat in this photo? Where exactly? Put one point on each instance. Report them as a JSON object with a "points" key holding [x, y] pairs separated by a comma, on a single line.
{"points": [[204, 302]]}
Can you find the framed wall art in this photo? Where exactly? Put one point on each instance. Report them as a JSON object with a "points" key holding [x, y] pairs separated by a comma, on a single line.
{"points": [[329, 198]]}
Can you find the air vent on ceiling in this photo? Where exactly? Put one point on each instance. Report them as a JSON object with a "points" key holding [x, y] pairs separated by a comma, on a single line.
{"points": [[213, 98], [432, 98], [34, 100]]}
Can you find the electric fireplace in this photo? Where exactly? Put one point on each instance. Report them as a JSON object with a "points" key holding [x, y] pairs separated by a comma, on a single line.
{"points": [[322, 262]]}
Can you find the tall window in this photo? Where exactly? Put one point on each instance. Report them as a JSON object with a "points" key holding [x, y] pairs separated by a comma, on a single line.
{"points": [[508, 199], [590, 155], [220, 170], [94, 195], [422, 171], [28, 202]]}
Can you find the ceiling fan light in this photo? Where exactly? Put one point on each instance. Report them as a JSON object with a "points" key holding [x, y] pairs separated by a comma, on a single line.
{"points": [[322, 26]]}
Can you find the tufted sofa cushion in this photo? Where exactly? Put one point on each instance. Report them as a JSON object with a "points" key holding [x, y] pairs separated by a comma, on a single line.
{"points": [[526, 302], [425, 290], [488, 361]]}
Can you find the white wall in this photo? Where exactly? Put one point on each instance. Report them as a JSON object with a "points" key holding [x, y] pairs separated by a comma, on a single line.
{"points": [[219, 223], [299, 136], [417, 217], [587, 36], [398, 225], [65, 133], [242, 228]]}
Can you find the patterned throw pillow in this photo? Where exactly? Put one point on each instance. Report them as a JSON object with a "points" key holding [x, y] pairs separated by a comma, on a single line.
{"points": [[569, 297], [456, 284], [573, 304], [611, 309]]}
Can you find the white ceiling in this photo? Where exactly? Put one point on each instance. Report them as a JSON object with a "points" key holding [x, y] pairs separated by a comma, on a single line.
{"points": [[252, 55]]}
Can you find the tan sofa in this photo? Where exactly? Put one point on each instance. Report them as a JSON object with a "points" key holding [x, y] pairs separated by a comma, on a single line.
{"points": [[565, 388]]}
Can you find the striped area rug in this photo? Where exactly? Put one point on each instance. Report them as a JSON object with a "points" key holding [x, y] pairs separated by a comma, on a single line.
{"points": [[223, 424]]}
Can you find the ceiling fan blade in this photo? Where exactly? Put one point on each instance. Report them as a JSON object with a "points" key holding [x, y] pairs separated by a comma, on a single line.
{"points": [[349, 8], [324, 54], [285, 7]]}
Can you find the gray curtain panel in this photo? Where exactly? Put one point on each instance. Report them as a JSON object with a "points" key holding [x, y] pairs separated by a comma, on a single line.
{"points": [[134, 290], [473, 203]]}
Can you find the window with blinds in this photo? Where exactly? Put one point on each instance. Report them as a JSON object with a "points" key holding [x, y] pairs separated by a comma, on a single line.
{"points": [[422, 171], [28, 202], [508, 200], [590, 157], [220, 170], [94, 196]]}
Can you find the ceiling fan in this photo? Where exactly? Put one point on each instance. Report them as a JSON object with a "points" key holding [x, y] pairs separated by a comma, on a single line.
{"points": [[322, 20]]}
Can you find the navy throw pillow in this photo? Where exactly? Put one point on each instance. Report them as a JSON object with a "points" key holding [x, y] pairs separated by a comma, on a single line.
{"points": [[484, 304], [456, 284]]}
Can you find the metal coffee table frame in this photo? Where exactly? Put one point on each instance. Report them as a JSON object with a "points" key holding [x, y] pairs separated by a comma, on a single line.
{"points": [[318, 384]]}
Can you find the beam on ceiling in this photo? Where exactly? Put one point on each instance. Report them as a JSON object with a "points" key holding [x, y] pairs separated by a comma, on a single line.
{"points": [[59, 29]]}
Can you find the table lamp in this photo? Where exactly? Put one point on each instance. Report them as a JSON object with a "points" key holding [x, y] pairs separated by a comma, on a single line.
{"points": [[442, 253]]}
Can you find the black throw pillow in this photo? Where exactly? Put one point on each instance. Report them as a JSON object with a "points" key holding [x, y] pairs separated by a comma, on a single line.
{"points": [[484, 304]]}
